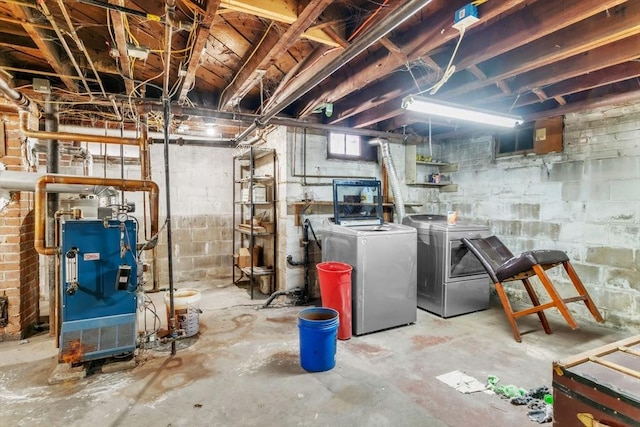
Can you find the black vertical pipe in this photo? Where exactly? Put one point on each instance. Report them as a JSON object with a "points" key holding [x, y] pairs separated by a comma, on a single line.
{"points": [[53, 201], [122, 162], [166, 104], [252, 208]]}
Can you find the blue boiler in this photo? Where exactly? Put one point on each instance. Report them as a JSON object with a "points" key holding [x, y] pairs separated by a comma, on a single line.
{"points": [[97, 289]]}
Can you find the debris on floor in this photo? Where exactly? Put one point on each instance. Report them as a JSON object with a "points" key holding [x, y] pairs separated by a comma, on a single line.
{"points": [[504, 391], [462, 382], [539, 400]]}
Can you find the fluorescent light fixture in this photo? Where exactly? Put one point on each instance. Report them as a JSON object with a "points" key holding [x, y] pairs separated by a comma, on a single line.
{"points": [[443, 109]]}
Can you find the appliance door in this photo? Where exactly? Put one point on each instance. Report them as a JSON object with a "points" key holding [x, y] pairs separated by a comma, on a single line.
{"points": [[431, 272], [466, 296], [384, 293], [461, 263]]}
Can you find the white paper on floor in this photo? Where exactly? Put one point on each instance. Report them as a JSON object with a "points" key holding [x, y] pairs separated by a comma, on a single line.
{"points": [[463, 382]]}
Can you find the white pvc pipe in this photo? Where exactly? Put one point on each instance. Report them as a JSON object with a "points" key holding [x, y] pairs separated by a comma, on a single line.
{"points": [[26, 181]]}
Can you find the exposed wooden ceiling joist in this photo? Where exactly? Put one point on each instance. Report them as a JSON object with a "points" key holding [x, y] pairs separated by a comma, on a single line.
{"points": [[47, 48], [273, 46], [544, 15], [118, 22], [574, 54], [278, 10], [198, 49], [585, 36], [380, 63]]}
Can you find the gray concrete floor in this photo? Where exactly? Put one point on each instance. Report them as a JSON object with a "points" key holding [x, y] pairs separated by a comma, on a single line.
{"points": [[243, 370]]}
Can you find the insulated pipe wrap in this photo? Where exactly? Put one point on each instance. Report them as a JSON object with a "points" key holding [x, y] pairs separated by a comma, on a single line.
{"points": [[394, 181], [13, 95]]}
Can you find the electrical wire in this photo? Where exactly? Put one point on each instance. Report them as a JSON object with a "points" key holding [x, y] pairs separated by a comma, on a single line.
{"points": [[448, 72], [264, 35], [366, 21]]}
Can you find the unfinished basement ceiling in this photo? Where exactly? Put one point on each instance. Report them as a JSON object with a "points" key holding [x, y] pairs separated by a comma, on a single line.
{"points": [[529, 58]]}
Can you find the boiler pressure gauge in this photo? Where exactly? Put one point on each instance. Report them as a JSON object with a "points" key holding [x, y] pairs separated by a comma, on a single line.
{"points": [[122, 217]]}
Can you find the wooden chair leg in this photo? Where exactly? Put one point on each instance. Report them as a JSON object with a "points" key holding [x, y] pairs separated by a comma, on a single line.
{"points": [[555, 296], [536, 302], [582, 291], [508, 311]]}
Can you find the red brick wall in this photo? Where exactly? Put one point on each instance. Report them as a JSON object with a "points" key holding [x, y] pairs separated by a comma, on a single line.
{"points": [[19, 276]]}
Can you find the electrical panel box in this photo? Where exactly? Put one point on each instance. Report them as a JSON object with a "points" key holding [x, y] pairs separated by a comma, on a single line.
{"points": [[465, 17]]}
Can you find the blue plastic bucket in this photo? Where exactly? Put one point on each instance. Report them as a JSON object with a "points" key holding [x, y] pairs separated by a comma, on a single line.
{"points": [[318, 328]]}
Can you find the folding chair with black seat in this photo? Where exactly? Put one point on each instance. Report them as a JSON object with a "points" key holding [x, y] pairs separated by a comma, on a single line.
{"points": [[503, 266]]}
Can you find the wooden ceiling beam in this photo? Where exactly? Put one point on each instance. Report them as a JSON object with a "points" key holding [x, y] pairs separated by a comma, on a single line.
{"points": [[393, 49], [416, 44], [560, 100], [540, 94], [22, 21], [589, 102], [597, 59], [386, 111], [528, 25], [320, 57], [198, 49], [399, 84], [547, 46], [272, 47], [581, 83], [591, 34], [48, 49], [280, 11], [17, 41], [117, 20], [477, 72]]}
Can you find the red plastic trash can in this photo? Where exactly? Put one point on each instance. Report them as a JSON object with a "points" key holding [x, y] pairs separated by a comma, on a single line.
{"points": [[335, 291]]}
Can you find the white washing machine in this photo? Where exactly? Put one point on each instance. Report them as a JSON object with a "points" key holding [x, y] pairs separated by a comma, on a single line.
{"points": [[383, 257]]}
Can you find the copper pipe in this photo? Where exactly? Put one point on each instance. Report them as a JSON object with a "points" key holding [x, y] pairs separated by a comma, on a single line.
{"points": [[63, 136], [121, 184], [54, 312], [144, 152]]}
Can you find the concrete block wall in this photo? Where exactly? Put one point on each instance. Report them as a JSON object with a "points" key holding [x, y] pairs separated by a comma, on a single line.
{"points": [[292, 187], [585, 201], [19, 273], [201, 206], [201, 211]]}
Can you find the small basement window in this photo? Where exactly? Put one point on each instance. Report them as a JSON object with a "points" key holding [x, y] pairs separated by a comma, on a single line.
{"points": [[539, 137], [518, 140], [350, 147]]}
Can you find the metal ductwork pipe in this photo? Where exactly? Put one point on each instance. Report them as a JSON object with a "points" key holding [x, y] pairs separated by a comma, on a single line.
{"points": [[26, 181], [140, 141], [394, 181], [63, 136], [361, 44], [13, 95], [41, 189]]}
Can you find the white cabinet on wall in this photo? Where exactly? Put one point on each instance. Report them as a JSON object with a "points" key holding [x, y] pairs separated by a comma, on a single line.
{"points": [[422, 170]]}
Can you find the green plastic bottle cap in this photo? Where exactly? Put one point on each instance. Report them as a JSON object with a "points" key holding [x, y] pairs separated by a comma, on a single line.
{"points": [[548, 398]]}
